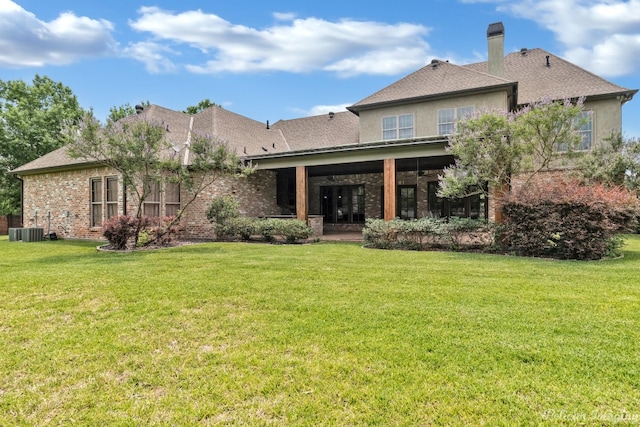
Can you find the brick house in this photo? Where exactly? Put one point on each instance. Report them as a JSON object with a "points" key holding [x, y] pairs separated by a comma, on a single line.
{"points": [[379, 159]]}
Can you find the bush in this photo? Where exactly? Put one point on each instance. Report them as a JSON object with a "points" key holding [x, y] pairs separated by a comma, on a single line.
{"points": [[120, 230], [289, 230], [566, 220], [156, 231], [221, 210], [240, 227], [426, 233]]}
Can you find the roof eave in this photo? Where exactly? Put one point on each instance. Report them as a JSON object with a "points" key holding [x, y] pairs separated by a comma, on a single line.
{"points": [[51, 169], [351, 147], [512, 86]]}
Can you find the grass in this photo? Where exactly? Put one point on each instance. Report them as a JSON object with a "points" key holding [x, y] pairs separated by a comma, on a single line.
{"points": [[322, 334]]}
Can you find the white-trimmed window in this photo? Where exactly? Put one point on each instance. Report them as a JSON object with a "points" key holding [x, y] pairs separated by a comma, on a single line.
{"points": [[104, 199], [447, 118], [397, 127], [585, 129], [96, 202]]}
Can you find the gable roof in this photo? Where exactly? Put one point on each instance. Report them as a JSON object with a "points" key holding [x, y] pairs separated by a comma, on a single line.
{"points": [[436, 80], [560, 80]]}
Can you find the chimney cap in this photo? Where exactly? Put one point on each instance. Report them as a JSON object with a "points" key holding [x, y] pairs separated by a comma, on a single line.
{"points": [[495, 29]]}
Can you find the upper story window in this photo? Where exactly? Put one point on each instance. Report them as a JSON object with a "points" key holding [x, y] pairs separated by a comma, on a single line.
{"points": [[585, 129], [397, 127], [448, 116]]}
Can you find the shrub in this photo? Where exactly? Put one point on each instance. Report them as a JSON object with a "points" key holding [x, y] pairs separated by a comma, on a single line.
{"points": [[240, 227], [221, 210], [293, 230], [156, 231], [466, 232], [566, 220], [289, 230], [425, 233], [120, 230]]}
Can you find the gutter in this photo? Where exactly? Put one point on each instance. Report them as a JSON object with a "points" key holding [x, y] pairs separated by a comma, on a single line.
{"points": [[353, 147]]}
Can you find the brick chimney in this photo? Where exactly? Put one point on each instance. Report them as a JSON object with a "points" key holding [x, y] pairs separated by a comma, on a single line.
{"points": [[495, 39]]}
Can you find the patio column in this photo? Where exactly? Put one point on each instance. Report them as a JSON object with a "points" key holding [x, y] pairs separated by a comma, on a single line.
{"points": [[389, 189], [302, 193]]}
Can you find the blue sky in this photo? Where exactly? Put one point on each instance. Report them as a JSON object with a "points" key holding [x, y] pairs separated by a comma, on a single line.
{"points": [[285, 59]]}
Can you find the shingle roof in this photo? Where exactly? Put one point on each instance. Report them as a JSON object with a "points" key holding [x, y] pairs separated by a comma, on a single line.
{"points": [[434, 80], [244, 135], [241, 134], [560, 80], [341, 128]]}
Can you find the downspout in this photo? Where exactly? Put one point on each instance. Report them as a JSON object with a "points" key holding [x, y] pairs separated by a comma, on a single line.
{"points": [[124, 199], [21, 199]]}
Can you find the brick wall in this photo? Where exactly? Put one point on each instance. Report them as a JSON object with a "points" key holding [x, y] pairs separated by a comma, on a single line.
{"points": [[60, 202], [373, 184], [7, 222]]}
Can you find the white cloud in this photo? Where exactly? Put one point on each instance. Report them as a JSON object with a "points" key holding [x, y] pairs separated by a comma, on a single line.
{"points": [[284, 16], [26, 41], [602, 36], [152, 55], [346, 47]]}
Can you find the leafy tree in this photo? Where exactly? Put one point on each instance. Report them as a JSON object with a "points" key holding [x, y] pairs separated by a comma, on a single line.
{"points": [[492, 147], [122, 111], [137, 150], [201, 106], [32, 117], [614, 163]]}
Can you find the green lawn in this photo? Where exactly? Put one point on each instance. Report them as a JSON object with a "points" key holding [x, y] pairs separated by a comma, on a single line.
{"points": [[319, 334]]}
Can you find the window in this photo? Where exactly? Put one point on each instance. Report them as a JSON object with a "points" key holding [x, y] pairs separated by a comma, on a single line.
{"points": [[342, 204], [447, 118], [96, 202], [407, 201], [172, 199], [397, 127], [469, 207], [104, 199], [151, 206], [585, 129], [112, 197]]}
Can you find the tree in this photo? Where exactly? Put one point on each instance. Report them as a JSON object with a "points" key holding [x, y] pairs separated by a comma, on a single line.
{"points": [[137, 149], [201, 106], [122, 111], [32, 118], [615, 163], [492, 146]]}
